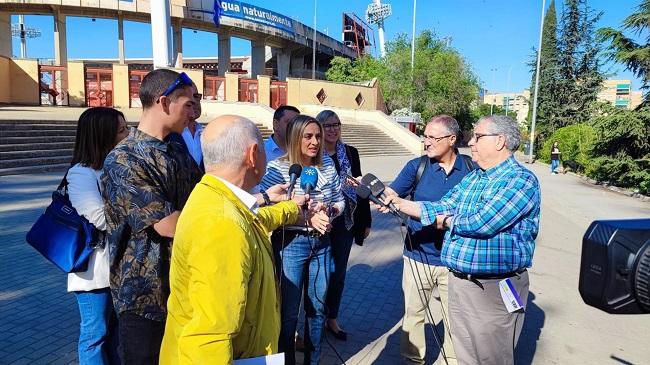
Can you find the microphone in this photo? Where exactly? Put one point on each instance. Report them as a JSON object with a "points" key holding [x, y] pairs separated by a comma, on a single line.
{"points": [[376, 187], [294, 173], [364, 192], [308, 179]]}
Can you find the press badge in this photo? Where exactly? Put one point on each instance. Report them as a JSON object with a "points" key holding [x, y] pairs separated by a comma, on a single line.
{"points": [[509, 295]]}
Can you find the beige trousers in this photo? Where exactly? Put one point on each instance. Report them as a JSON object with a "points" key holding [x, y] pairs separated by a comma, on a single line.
{"points": [[421, 283], [484, 332]]}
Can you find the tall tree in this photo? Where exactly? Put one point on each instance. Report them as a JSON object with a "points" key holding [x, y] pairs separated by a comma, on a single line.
{"points": [[442, 80], [547, 103], [636, 56], [579, 64]]}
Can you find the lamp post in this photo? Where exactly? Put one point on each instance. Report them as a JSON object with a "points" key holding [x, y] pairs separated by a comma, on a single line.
{"points": [[412, 56], [494, 94], [313, 54], [539, 60]]}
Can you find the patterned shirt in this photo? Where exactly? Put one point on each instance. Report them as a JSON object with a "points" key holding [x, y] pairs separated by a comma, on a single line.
{"points": [[495, 220], [145, 180], [328, 187]]}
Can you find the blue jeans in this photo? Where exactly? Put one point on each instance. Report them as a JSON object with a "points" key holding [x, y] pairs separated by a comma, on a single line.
{"points": [[554, 165], [341, 246], [306, 265], [98, 338]]}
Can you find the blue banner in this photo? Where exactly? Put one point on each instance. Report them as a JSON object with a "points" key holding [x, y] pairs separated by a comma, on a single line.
{"points": [[240, 10]]}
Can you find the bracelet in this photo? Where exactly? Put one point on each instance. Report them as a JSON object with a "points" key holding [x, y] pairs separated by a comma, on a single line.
{"points": [[265, 196]]}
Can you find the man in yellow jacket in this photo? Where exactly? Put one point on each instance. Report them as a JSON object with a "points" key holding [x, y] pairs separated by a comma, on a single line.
{"points": [[224, 297]]}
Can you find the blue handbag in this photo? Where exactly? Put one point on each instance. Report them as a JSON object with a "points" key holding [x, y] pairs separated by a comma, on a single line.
{"points": [[62, 236]]}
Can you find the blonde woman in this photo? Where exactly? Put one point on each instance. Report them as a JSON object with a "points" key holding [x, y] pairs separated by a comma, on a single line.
{"points": [[303, 254]]}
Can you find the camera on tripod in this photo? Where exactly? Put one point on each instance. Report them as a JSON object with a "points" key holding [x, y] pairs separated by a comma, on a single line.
{"points": [[615, 266]]}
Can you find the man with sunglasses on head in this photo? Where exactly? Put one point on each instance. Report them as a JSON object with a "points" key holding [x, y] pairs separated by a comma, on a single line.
{"points": [[491, 220], [147, 180], [424, 276]]}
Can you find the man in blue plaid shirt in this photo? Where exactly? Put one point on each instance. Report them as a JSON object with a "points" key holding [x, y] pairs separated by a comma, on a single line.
{"points": [[492, 220]]}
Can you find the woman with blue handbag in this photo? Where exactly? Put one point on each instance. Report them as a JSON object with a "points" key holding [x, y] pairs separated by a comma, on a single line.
{"points": [[99, 130]]}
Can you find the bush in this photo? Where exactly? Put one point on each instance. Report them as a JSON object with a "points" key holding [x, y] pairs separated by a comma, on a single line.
{"points": [[622, 171], [576, 144]]}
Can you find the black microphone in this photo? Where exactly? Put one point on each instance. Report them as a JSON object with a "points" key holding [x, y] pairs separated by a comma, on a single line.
{"points": [[376, 187], [294, 173], [364, 192]]}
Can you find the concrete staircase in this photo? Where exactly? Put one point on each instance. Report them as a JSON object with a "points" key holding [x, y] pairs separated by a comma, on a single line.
{"points": [[32, 146]]}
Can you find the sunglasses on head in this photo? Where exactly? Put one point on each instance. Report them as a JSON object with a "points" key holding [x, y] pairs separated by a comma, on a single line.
{"points": [[182, 79]]}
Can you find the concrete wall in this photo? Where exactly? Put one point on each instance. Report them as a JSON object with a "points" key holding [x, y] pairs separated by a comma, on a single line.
{"points": [[255, 112], [5, 80], [76, 84], [121, 97], [303, 91], [24, 82]]}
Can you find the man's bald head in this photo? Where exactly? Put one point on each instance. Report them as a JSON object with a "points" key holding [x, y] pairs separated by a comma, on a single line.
{"points": [[226, 140]]}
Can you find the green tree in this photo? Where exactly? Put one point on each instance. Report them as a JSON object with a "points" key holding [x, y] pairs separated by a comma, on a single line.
{"points": [[442, 80], [345, 70], [636, 56], [547, 103], [483, 110], [579, 64], [622, 132]]}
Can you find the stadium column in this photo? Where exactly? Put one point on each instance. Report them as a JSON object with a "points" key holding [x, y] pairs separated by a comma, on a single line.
{"points": [[224, 54], [120, 37], [5, 34], [258, 57], [283, 57], [60, 39], [178, 43]]}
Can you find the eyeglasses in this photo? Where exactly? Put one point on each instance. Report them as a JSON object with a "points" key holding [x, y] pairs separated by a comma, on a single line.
{"points": [[181, 79], [333, 126], [437, 139], [477, 136]]}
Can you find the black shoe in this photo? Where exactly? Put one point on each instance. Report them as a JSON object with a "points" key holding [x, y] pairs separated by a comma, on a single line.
{"points": [[340, 335]]}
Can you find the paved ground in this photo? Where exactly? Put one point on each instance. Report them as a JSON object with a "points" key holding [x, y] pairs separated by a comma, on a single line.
{"points": [[39, 320]]}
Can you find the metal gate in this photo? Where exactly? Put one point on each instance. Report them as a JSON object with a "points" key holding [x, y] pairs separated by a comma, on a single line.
{"points": [[278, 94], [135, 80], [99, 86], [53, 85], [248, 90], [214, 88]]}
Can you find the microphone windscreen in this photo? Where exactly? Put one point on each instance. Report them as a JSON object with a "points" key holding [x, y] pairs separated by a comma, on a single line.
{"points": [[376, 186], [308, 177], [295, 169], [363, 191]]}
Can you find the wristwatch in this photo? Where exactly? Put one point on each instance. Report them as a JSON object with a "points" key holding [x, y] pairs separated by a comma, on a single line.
{"points": [[444, 221], [267, 200]]}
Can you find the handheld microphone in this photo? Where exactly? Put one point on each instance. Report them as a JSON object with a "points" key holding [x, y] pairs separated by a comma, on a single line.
{"points": [[308, 179], [294, 173], [376, 187], [364, 192]]}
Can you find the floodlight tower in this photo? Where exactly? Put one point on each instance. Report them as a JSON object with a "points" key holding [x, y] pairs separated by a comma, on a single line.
{"points": [[375, 14], [21, 31]]}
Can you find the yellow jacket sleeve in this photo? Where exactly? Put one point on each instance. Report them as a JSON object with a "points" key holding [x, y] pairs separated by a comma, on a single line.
{"points": [[221, 260], [278, 214]]}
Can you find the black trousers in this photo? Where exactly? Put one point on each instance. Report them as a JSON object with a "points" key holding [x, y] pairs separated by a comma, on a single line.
{"points": [[140, 339]]}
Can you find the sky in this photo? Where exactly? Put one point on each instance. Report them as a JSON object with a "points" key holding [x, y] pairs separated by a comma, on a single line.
{"points": [[496, 37]]}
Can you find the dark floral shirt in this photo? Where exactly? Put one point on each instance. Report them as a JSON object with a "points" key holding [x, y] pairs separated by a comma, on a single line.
{"points": [[145, 179]]}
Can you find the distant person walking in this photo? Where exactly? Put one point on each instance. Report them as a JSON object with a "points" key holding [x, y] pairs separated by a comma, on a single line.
{"points": [[555, 157], [98, 131]]}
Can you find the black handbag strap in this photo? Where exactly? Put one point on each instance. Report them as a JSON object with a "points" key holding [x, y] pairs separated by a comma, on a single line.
{"points": [[64, 183]]}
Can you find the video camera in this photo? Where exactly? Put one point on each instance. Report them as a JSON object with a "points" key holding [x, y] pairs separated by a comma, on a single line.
{"points": [[615, 266]]}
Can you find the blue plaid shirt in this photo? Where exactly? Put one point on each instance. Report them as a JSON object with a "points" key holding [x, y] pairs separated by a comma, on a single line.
{"points": [[495, 220]]}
